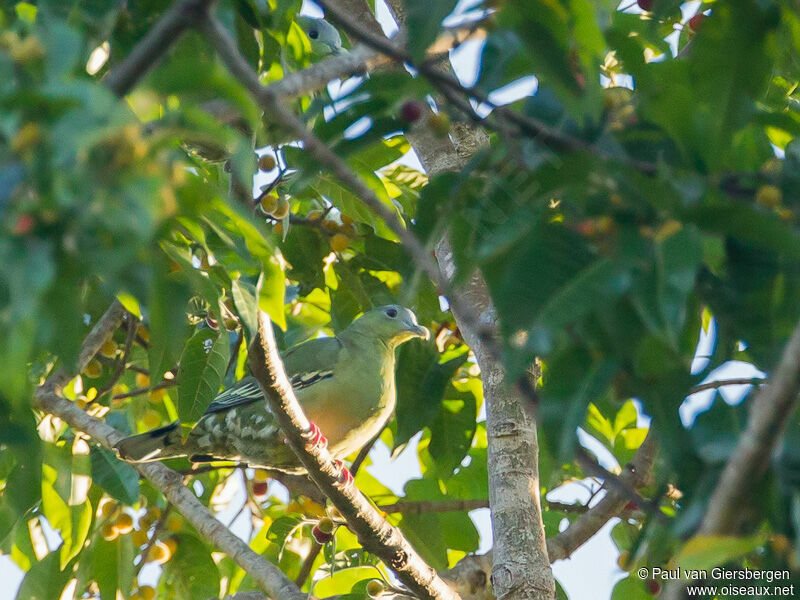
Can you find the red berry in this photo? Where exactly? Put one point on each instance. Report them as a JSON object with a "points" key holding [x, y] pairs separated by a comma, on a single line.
{"points": [[260, 488], [653, 587], [645, 4], [24, 224], [320, 536], [411, 111], [695, 21]]}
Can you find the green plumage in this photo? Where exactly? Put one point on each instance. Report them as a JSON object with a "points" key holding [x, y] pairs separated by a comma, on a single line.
{"points": [[344, 383]]}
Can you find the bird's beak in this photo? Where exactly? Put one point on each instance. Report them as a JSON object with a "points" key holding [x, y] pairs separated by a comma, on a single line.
{"points": [[420, 331]]}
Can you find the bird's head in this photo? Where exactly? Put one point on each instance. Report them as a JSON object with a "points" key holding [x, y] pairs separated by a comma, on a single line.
{"points": [[392, 324], [324, 37]]}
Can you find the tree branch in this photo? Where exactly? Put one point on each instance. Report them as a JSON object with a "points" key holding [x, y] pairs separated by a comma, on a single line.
{"points": [[636, 474], [715, 385], [374, 533], [122, 78], [48, 397], [419, 507]]}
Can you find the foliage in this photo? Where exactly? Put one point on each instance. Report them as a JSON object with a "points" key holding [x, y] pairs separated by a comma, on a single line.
{"points": [[648, 216]]}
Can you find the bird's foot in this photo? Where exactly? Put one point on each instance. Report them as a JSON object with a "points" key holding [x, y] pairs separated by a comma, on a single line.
{"points": [[345, 476], [315, 438]]}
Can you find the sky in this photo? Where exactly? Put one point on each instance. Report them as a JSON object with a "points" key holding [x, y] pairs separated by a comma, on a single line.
{"points": [[592, 570]]}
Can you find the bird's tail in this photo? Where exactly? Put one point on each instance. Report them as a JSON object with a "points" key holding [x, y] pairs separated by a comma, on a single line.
{"points": [[158, 444]]}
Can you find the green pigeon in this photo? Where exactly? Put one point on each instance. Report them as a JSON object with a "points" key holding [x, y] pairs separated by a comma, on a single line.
{"points": [[324, 37], [344, 383]]}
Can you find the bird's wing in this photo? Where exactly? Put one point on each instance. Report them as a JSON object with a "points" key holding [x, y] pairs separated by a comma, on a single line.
{"points": [[306, 364]]}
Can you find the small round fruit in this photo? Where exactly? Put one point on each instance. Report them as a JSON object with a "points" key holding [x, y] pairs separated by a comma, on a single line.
{"points": [[348, 229], [339, 242], [153, 513], [314, 215], [282, 209], [24, 225], [139, 537], [320, 536], [266, 162], [147, 592], [769, 196], [94, 369], [330, 226], [171, 545], [326, 525], [623, 560], [260, 488], [151, 419], [260, 475], [124, 523], [439, 124], [696, 21], [646, 5], [158, 553], [347, 220], [375, 588], [780, 543], [142, 380], [278, 229], [157, 396], [136, 596], [107, 508], [411, 111], [231, 323], [108, 349], [269, 202], [174, 522], [653, 587], [109, 532]]}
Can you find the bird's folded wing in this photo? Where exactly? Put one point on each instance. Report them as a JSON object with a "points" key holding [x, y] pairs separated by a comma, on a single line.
{"points": [[306, 365]]}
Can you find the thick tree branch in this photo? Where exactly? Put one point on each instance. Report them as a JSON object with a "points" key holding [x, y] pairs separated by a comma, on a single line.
{"points": [[374, 533], [122, 78], [48, 397], [770, 411]]}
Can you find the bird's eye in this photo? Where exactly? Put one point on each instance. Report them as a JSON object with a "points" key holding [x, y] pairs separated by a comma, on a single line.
{"points": [[391, 312], [313, 34]]}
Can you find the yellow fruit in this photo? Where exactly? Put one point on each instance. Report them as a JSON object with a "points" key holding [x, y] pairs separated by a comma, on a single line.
{"points": [[314, 215], [139, 537], [143, 333], [769, 196], [231, 323], [439, 124], [260, 475], [278, 229], [108, 349], [269, 202], [151, 419], [266, 162], [780, 543], [375, 588], [94, 369], [330, 226], [107, 508], [153, 513], [171, 544], [147, 592], [623, 560], [157, 396], [124, 523], [348, 229], [282, 209], [346, 220], [109, 532], [136, 596], [340, 242], [771, 167], [174, 522], [158, 553], [787, 214], [142, 380]]}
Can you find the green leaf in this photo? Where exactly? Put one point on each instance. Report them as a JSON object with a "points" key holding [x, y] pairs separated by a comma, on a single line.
{"points": [[452, 431], [202, 372], [421, 384], [44, 580], [424, 21], [191, 572], [708, 551], [119, 479], [343, 581], [244, 298]]}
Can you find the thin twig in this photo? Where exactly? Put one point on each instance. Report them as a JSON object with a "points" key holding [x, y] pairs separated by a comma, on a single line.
{"points": [[714, 385]]}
